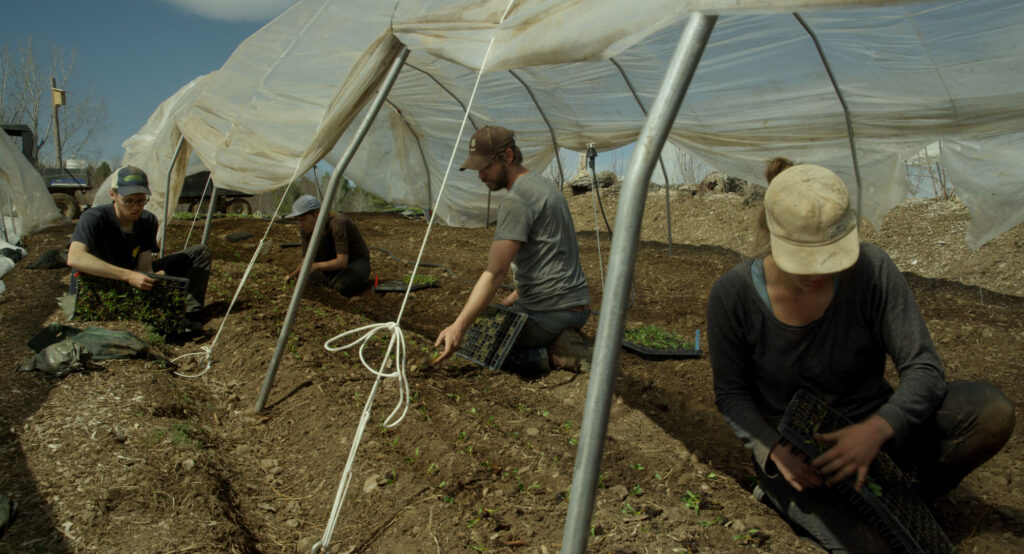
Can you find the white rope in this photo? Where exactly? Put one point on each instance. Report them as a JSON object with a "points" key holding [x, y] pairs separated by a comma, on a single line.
{"points": [[397, 338], [207, 351], [200, 204]]}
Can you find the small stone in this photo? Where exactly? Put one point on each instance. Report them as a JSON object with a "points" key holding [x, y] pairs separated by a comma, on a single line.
{"points": [[370, 484], [737, 525], [305, 545], [533, 431], [187, 465]]}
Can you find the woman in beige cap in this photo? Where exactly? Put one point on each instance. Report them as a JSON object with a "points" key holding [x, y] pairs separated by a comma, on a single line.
{"points": [[821, 311]]}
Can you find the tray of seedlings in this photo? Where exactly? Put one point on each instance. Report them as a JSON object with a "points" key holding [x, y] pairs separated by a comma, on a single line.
{"points": [[419, 283], [887, 498], [162, 307], [488, 341], [654, 343]]}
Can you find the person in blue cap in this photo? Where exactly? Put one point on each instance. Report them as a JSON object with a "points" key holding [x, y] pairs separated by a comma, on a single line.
{"points": [[342, 261], [117, 241]]}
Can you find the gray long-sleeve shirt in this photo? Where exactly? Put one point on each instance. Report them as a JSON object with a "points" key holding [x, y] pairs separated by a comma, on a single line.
{"points": [[759, 362]]}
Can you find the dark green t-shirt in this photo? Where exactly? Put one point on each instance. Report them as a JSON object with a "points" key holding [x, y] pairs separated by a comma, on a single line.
{"points": [[341, 237]]}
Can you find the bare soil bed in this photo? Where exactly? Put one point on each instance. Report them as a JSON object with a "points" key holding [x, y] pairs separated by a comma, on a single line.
{"points": [[131, 457]]}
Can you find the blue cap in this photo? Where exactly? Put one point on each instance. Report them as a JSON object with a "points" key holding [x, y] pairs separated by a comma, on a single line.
{"points": [[303, 205], [131, 180]]}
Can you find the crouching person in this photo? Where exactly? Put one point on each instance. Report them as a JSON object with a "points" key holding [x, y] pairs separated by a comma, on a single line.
{"points": [[821, 311], [117, 240], [342, 261]]}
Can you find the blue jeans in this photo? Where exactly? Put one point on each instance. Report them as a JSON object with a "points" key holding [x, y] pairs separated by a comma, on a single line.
{"points": [[540, 330], [973, 422]]}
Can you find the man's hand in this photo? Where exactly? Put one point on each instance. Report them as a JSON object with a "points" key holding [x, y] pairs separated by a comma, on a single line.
{"points": [[140, 281], [292, 276], [451, 337], [510, 299], [793, 468], [855, 447]]}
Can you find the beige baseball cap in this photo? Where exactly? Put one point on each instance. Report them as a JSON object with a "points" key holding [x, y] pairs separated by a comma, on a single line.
{"points": [[812, 226], [485, 144]]}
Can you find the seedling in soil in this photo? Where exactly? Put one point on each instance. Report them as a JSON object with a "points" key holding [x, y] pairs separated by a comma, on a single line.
{"points": [[750, 537], [628, 510], [637, 467], [638, 491], [653, 336], [692, 502], [716, 521]]}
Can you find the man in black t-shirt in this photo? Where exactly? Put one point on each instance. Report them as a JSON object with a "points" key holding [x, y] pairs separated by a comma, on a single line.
{"points": [[117, 240], [342, 261]]}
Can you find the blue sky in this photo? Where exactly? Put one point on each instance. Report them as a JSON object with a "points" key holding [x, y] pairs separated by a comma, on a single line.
{"points": [[134, 53]]}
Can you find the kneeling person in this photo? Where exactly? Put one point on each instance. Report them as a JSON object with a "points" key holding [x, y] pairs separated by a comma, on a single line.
{"points": [[342, 261], [535, 240], [117, 240]]}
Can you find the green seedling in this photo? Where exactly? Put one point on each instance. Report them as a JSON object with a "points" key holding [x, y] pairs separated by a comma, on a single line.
{"points": [[428, 280], [638, 491], [874, 487], [716, 521], [653, 336], [692, 502], [748, 537]]}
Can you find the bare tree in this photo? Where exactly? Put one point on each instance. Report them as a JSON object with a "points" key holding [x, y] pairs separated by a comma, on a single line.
{"points": [[691, 170], [923, 168], [25, 98]]}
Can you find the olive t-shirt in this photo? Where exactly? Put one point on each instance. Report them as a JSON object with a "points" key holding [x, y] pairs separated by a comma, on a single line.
{"points": [[547, 269]]}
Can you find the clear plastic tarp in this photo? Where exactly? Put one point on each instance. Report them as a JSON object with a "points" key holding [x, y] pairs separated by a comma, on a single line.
{"points": [[563, 74], [25, 204]]}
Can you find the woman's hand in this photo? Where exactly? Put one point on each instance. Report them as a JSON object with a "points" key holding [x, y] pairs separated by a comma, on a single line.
{"points": [[793, 468], [855, 447]]}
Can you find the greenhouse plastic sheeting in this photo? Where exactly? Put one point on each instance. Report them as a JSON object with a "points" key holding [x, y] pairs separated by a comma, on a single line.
{"points": [[23, 192], [911, 73]]}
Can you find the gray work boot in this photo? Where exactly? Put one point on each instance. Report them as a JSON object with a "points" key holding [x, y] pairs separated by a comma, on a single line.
{"points": [[571, 351]]}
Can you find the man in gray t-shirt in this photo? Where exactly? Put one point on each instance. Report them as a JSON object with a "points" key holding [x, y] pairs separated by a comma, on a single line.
{"points": [[536, 239]]}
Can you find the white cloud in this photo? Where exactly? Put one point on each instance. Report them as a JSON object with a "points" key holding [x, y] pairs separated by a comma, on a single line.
{"points": [[234, 10]]}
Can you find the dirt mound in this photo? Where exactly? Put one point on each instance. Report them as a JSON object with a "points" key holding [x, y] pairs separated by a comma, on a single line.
{"points": [[134, 457]]}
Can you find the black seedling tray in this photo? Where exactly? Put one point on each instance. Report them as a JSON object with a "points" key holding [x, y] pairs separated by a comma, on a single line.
{"points": [[400, 286], [660, 353], [887, 498], [652, 353], [489, 339]]}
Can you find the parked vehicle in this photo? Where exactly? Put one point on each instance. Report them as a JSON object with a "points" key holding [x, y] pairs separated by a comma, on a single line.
{"points": [[196, 194]]}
